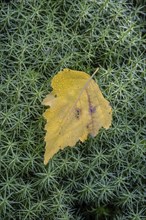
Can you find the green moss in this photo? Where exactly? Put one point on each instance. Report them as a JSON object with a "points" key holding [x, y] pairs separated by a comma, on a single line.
{"points": [[104, 177]]}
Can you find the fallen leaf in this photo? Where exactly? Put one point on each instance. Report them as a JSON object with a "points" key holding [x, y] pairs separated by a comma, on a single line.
{"points": [[77, 108]]}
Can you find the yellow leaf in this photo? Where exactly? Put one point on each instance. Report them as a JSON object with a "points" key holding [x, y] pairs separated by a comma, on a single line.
{"points": [[77, 108]]}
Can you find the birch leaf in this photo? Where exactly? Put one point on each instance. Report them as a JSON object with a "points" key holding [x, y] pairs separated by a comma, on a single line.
{"points": [[77, 108]]}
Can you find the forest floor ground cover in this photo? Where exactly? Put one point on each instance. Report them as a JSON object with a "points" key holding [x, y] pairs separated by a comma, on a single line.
{"points": [[102, 179]]}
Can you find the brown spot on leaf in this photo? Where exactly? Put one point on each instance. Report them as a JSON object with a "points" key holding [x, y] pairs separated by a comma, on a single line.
{"points": [[77, 113]]}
